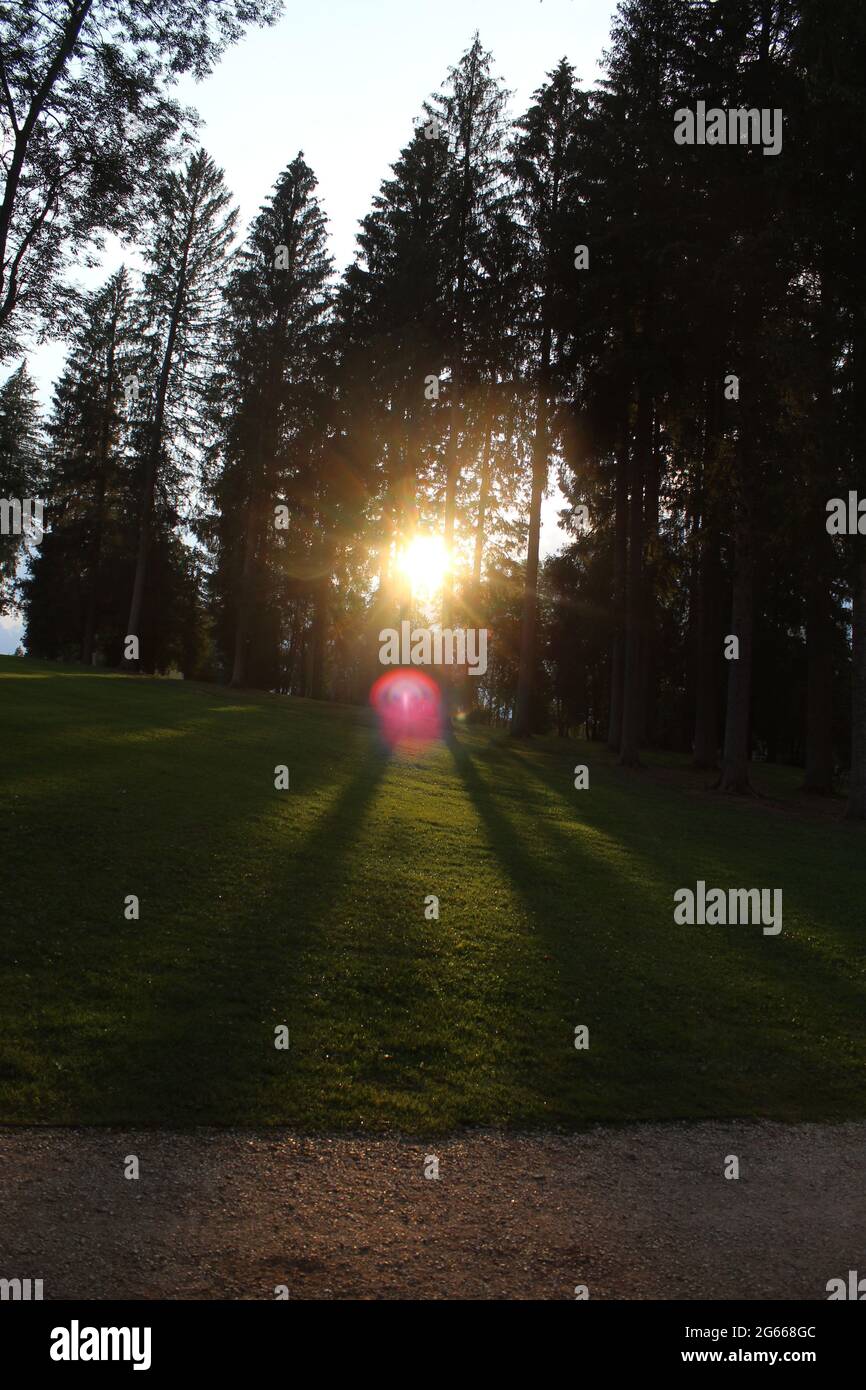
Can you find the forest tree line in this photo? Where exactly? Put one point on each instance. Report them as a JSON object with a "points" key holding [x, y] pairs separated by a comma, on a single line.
{"points": [[242, 439]]}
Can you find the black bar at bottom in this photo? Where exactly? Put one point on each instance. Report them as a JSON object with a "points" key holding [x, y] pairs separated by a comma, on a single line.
{"points": [[165, 1339]]}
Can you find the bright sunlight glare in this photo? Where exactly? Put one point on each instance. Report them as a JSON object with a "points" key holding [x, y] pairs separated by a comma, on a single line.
{"points": [[424, 562]]}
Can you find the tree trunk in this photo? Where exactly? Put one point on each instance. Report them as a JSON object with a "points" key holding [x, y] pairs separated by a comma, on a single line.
{"points": [[483, 496], [318, 636], [244, 614], [857, 788], [94, 565], [145, 512], [521, 726], [651, 532], [735, 756], [101, 483], [152, 460], [736, 750], [819, 601], [819, 696], [472, 605], [857, 785], [705, 753], [620, 562], [261, 489], [408, 509], [629, 755], [452, 474]]}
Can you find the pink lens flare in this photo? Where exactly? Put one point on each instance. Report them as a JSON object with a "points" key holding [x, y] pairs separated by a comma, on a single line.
{"points": [[409, 705]]}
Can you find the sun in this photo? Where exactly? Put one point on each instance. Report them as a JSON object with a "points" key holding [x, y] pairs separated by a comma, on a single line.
{"points": [[424, 562]]}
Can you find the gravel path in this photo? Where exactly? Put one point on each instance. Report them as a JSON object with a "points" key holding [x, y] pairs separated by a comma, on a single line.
{"points": [[637, 1213]]}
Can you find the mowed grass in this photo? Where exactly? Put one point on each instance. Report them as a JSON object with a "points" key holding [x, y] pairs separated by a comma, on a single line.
{"points": [[306, 908]]}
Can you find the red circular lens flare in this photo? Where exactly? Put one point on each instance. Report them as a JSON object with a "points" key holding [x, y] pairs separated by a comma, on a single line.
{"points": [[409, 705]]}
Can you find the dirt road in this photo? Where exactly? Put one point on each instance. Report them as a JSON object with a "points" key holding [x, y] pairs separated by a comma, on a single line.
{"points": [[638, 1213]]}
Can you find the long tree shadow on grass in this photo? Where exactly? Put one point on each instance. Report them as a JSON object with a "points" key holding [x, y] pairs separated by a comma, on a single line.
{"points": [[204, 1051], [734, 851], [737, 1023], [172, 1019], [791, 1000], [543, 1054]]}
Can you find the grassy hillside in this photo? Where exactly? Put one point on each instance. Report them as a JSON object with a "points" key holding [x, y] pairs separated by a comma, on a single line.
{"points": [[306, 907]]}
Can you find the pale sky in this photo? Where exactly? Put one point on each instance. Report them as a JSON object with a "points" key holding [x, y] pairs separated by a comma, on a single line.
{"points": [[341, 80]]}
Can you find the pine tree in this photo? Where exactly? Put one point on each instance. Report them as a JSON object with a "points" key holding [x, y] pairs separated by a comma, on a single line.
{"points": [[21, 475], [392, 335], [82, 572], [187, 248], [470, 115], [546, 164], [89, 126], [277, 302]]}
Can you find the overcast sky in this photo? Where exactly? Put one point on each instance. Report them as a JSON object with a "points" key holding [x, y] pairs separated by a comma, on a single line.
{"points": [[341, 80]]}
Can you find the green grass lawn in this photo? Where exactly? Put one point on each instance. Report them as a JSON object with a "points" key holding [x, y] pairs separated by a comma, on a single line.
{"points": [[306, 907]]}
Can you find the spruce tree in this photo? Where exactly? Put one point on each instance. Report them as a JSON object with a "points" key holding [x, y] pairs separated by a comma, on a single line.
{"points": [[21, 476], [187, 248], [546, 170], [71, 602], [276, 383], [470, 114]]}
